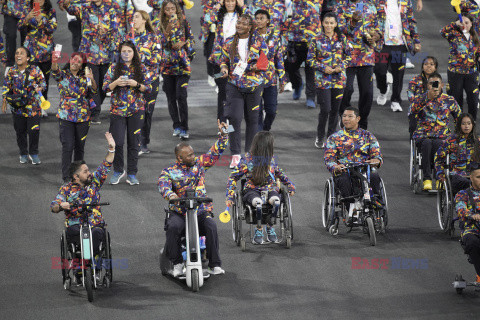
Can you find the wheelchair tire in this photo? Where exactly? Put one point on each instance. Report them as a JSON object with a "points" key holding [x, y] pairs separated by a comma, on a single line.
{"points": [[243, 244], [328, 204], [385, 199], [236, 221], [288, 242], [412, 162], [443, 207], [108, 254], [64, 257], [287, 216], [371, 231], [195, 280], [89, 283]]}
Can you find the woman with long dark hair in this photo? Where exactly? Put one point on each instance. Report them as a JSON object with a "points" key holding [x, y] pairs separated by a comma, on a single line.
{"points": [[177, 51], [238, 62], [462, 64], [418, 85], [261, 170], [76, 88], [149, 49], [128, 80], [223, 18], [462, 148], [40, 27], [329, 55]]}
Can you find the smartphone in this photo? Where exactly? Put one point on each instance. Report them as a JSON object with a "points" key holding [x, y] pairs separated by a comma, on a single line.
{"points": [[36, 7], [124, 78], [229, 129], [359, 7], [173, 17], [58, 48], [218, 75], [435, 84]]}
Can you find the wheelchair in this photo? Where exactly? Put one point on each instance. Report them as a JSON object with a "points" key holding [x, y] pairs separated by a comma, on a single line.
{"points": [[460, 284], [369, 213], [78, 261], [416, 173], [242, 212]]}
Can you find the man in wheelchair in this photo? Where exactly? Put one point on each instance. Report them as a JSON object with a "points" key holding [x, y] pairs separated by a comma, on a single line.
{"points": [[459, 148], [433, 110], [352, 145], [261, 169], [188, 173], [468, 208], [84, 188]]}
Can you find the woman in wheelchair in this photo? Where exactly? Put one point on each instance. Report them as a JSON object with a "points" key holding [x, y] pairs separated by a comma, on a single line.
{"points": [[261, 170], [457, 152]]}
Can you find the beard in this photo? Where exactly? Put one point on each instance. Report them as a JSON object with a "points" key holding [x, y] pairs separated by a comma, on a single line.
{"points": [[88, 181]]}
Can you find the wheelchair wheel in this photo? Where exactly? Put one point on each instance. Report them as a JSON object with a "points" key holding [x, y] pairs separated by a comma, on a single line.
{"points": [[89, 283], [108, 254], [371, 231], [64, 257], [236, 221], [243, 243], [412, 162], [328, 204], [444, 204], [385, 200], [287, 215]]}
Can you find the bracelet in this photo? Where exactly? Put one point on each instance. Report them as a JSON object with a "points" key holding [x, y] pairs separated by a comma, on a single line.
{"points": [[138, 86], [111, 151]]}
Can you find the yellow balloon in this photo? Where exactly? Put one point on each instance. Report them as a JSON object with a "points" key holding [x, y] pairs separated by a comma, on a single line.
{"points": [[224, 216]]}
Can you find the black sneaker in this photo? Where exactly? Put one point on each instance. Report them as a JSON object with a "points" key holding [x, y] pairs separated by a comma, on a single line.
{"points": [[96, 120]]}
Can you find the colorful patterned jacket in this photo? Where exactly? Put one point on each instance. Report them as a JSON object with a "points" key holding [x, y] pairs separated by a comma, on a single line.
{"points": [[351, 147], [463, 53], [179, 178], [245, 168], [465, 211], [433, 116], [333, 52], [14, 83], [177, 62], [460, 153], [16, 8], [415, 87], [149, 49], [212, 18], [363, 54], [276, 68], [277, 11], [126, 101], [124, 16], [250, 80], [75, 96], [207, 7], [305, 21], [409, 24], [157, 7], [97, 47], [2, 50], [39, 40], [472, 8], [74, 193]]}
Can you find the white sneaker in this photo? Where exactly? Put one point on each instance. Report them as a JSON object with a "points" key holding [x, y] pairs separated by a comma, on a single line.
{"points": [[396, 107], [288, 87], [177, 270], [235, 160], [216, 270], [44, 114], [382, 99], [389, 78], [409, 64], [211, 81], [216, 89], [6, 71]]}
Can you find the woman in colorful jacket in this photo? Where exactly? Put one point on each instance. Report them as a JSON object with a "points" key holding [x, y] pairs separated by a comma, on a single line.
{"points": [[177, 49], [149, 49], [262, 171], [275, 76], [276, 10], [462, 148], [12, 12], [128, 80], [462, 63], [28, 80], [238, 62], [418, 85], [76, 88], [223, 17], [329, 55]]}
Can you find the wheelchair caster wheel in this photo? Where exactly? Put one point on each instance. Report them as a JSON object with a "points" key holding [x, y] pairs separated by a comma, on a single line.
{"points": [[333, 231], [243, 244], [382, 226], [67, 284], [106, 282], [459, 284], [289, 242]]}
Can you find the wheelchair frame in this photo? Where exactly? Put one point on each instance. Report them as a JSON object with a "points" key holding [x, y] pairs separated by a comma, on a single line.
{"points": [[416, 173]]}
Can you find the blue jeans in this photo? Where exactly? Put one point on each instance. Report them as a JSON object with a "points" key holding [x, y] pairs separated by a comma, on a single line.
{"points": [[269, 104]]}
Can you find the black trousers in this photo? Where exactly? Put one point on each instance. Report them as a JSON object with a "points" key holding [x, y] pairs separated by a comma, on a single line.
{"points": [[241, 105], [365, 86], [23, 126], [395, 58], [10, 30], [344, 184], [75, 28], [206, 227], [472, 248], [175, 87], [428, 147], [468, 82], [73, 236], [458, 183], [151, 99], [99, 71], [132, 126], [46, 68], [268, 103], [329, 101], [221, 98], [207, 51], [293, 70], [72, 136]]}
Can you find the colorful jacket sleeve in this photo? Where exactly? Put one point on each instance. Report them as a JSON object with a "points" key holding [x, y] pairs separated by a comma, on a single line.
{"points": [[462, 207], [165, 184], [330, 156], [237, 173], [441, 159], [209, 159], [100, 175], [284, 179]]}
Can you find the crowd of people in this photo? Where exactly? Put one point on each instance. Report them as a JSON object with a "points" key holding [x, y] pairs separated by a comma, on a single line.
{"points": [[253, 51]]}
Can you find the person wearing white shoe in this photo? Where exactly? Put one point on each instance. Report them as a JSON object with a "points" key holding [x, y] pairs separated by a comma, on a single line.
{"points": [[400, 37], [188, 173]]}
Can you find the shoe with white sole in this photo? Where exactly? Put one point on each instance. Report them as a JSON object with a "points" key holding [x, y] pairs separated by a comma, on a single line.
{"points": [[23, 159], [116, 176], [216, 270], [389, 78], [288, 87], [409, 64], [382, 97], [396, 107], [177, 270], [35, 159], [211, 81]]}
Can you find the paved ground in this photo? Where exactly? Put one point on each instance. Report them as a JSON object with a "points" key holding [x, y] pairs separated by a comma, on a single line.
{"points": [[314, 279]]}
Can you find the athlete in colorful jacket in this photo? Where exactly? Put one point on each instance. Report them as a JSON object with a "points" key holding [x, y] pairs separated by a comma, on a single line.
{"points": [[466, 209], [276, 9], [463, 53], [178, 178], [126, 101], [275, 74], [334, 52], [460, 153], [149, 49], [305, 20], [39, 40]]}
